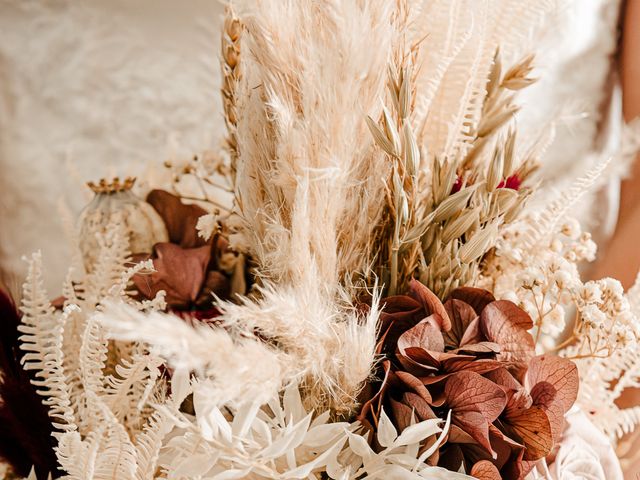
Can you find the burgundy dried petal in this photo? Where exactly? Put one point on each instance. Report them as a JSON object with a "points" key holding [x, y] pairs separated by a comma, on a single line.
{"points": [[181, 219], [504, 323], [485, 470], [476, 297], [430, 302], [216, 283], [557, 371], [411, 383], [425, 334], [179, 272], [475, 403], [461, 316]]}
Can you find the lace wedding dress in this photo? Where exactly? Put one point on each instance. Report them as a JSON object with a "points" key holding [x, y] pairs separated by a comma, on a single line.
{"points": [[111, 87], [578, 93]]}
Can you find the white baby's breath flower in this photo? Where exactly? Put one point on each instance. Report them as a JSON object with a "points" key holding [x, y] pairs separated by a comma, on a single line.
{"points": [[531, 278], [571, 228], [563, 279], [587, 293], [611, 286], [593, 316], [554, 321], [206, 225]]}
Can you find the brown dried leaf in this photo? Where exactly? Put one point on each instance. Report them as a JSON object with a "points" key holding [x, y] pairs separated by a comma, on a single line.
{"points": [[476, 297], [504, 323], [475, 402], [180, 272], [485, 470], [180, 219], [561, 373], [461, 315], [430, 302]]}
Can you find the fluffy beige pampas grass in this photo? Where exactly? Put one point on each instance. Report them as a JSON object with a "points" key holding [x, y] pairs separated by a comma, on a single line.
{"points": [[310, 183]]}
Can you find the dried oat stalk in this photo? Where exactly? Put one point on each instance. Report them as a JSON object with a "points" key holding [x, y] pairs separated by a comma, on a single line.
{"points": [[445, 214]]}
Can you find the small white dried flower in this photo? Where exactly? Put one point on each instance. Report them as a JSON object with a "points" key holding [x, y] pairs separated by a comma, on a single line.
{"points": [[571, 228], [611, 287], [554, 321], [206, 225], [531, 278], [563, 279], [587, 293], [592, 316]]}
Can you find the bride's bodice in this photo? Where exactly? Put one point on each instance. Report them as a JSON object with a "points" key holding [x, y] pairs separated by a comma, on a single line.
{"points": [[577, 92]]}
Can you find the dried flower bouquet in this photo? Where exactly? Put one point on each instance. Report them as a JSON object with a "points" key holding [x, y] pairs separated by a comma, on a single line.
{"points": [[354, 288]]}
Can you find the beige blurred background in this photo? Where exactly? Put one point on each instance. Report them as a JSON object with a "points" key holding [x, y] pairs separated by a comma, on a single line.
{"points": [[91, 89]]}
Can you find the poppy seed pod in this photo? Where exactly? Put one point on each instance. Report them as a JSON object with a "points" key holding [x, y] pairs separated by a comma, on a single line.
{"points": [[144, 226]]}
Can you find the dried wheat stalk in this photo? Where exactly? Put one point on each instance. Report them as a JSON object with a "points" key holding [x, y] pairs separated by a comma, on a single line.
{"points": [[231, 74]]}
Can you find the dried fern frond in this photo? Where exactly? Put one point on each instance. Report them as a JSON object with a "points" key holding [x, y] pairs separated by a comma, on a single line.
{"points": [[42, 341]]}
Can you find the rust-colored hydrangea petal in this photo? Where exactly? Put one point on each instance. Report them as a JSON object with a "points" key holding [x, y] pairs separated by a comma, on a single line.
{"points": [[485, 470], [557, 371], [373, 395], [408, 382], [461, 315], [476, 297], [470, 363], [480, 347], [533, 427], [400, 313], [430, 302], [181, 219], [180, 272], [425, 334], [472, 334], [544, 395], [475, 403], [509, 454], [418, 362], [502, 377], [504, 323]]}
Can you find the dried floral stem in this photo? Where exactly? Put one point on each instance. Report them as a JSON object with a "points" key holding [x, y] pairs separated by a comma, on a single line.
{"points": [[231, 74]]}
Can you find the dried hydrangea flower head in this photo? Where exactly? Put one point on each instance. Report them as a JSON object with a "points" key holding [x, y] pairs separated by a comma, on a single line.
{"points": [[472, 356], [144, 226]]}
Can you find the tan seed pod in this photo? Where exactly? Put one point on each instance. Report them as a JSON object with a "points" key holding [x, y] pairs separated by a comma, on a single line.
{"points": [[380, 138], [453, 204], [460, 225], [479, 243]]}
